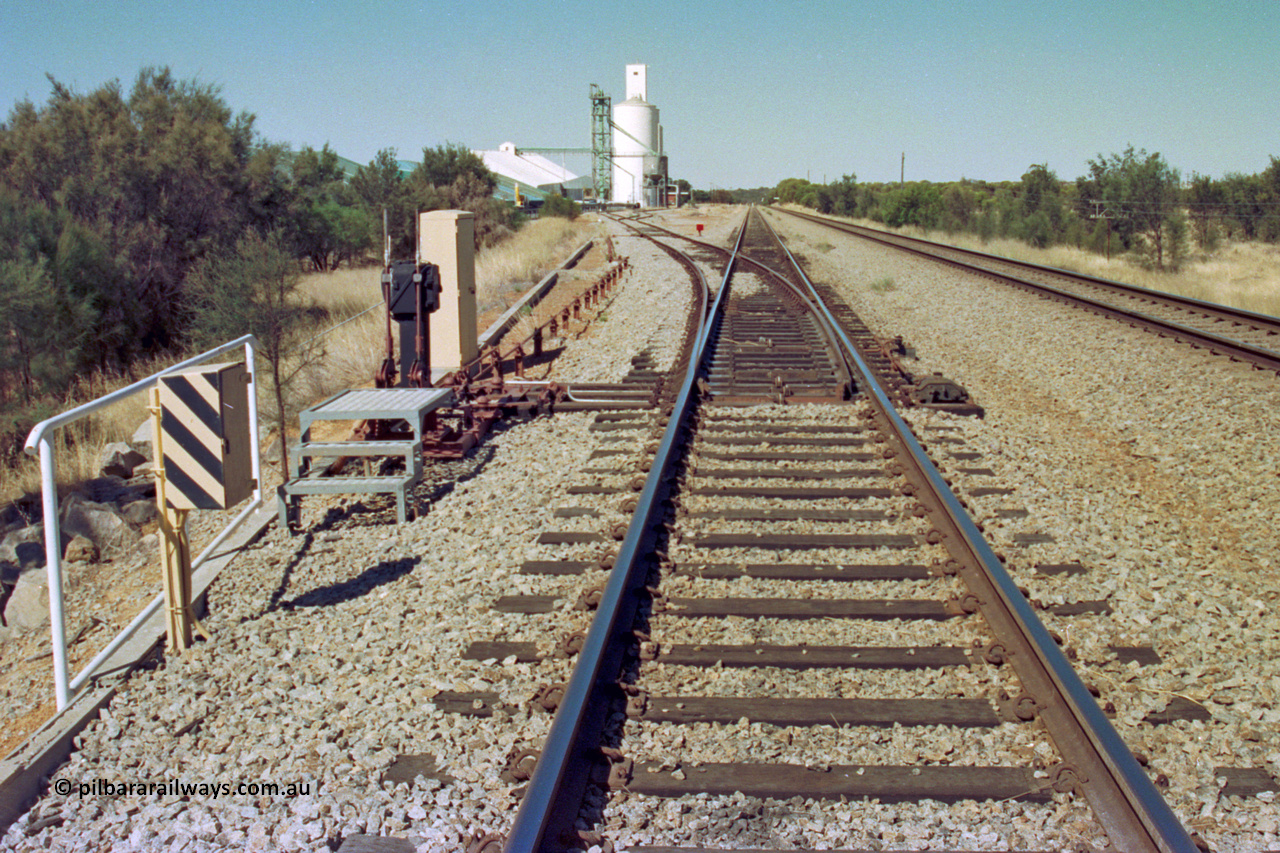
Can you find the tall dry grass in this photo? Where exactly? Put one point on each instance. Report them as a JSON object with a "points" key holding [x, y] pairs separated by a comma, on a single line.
{"points": [[343, 292], [351, 346], [1242, 275], [78, 446], [512, 267]]}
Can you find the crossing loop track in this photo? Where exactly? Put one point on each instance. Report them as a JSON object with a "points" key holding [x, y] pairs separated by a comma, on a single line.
{"points": [[1241, 335]]}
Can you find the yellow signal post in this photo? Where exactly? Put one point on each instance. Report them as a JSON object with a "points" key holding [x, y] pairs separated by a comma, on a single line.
{"points": [[201, 439], [175, 551]]}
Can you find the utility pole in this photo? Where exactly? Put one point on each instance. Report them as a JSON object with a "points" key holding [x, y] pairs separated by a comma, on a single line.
{"points": [[902, 175]]}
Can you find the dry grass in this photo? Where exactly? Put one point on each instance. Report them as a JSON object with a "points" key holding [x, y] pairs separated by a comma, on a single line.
{"points": [[1242, 275], [78, 446], [350, 349], [352, 344], [343, 292], [505, 271]]}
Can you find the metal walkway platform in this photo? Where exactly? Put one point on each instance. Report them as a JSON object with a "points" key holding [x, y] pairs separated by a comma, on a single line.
{"points": [[411, 405]]}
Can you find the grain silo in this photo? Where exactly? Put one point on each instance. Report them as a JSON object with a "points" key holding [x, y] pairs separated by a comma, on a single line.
{"points": [[637, 144]]}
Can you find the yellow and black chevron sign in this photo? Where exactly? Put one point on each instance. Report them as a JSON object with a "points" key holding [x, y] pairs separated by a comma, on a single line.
{"points": [[204, 437]]}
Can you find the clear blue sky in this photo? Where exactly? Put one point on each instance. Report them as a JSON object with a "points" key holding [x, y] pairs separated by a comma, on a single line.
{"points": [[749, 93]]}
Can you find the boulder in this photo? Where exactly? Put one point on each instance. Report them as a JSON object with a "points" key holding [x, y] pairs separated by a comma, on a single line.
{"points": [[18, 515], [142, 440], [141, 513], [80, 550], [25, 547], [9, 574], [108, 489], [119, 460], [144, 476], [101, 524], [28, 606]]}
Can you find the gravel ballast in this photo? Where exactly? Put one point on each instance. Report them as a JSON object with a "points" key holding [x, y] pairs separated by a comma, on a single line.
{"points": [[1151, 463], [329, 646]]}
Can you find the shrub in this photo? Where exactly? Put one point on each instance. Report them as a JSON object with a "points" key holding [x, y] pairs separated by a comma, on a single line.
{"points": [[558, 205]]}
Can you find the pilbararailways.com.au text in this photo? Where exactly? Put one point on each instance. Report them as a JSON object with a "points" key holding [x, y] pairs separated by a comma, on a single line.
{"points": [[176, 788]]}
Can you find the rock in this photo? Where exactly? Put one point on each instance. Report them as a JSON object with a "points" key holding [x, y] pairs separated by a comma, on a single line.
{"points": [[119, 460], [18, 515], [107, 489], [28, 606], [25, 547], [80, 550], [140, 513], [100, 523], [141, 440], [144, 475]]}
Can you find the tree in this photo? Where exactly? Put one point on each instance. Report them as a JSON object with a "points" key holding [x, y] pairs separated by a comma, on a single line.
{"points": [[1143, 191], [844, 195], [147, 183], [317, 171], [1270, 179], [453, 176], [188, 195], [1245, 198], [252, 289], [917, 203], [379, 186], [1206, 199], [327, 223], [1041, 206], [442, 166], [55, 281], [958, 206], [793, 191], [28, 340]]}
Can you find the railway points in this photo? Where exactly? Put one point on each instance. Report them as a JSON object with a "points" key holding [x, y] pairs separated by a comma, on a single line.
{"points": [[420, 657]]}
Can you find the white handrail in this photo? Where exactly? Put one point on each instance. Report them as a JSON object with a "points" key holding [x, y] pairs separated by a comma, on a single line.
{"points": [[40, 443]]}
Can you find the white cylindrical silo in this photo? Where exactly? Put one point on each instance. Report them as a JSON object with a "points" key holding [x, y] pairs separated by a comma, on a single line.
{"points": [[635, 149]]}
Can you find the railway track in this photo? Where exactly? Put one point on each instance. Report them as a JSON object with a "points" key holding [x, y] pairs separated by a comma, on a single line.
{"points": [[818, 542], [1241, 335], [402, 739]]}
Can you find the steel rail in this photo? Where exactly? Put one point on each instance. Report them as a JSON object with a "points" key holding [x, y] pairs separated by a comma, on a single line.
{"points": [[827, 331], [1128, 806], [1258, 356], [1225, 312], [554, 793]]}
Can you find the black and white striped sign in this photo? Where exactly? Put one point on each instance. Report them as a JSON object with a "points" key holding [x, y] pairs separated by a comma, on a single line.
{"points": [[204, 437]]}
